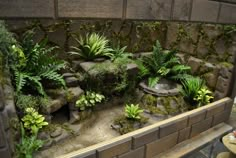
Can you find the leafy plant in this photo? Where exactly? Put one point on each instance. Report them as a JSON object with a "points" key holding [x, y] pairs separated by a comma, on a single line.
{"points": [[119, 53], [89, 100], [28, 145], [33, 121], [133, 111], [162, 64], [91, 47], [28, 101], [6, 41], [36, 65], [191, 86], [203, 96]]}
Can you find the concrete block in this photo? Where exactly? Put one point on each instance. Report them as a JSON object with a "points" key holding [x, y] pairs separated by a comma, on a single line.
{"points": [[215, 109], [161, 145], [115, 149], [197, 117], [181, 10], [137, 153], [173, 127], [184, 134], [90, 8], [27, 9], [227, 13], [144, 138], [204, 10], [201, 127], [221, 117]]}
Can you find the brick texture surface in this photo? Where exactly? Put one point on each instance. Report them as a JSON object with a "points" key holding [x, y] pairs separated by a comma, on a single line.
{"points": [[201, 126], [204, 10], [90, 8], [184, 134], [181, 10], [137, 153], [221, 117], [197, 117], [216, 109], [27, 8], [115, 149], [144, 138], [227, 13], [161, 145], [173, 127]]}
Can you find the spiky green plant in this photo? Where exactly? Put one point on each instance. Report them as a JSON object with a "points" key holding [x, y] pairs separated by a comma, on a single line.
{"points": [[163, 64], [133, 111], [35, 65], [91, 47], [203, 97], [120, 53], [191, 86]]}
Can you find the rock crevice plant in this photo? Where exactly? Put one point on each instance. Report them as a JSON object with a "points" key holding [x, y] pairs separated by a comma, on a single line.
{"points": [[133, 111], [89, 100]]}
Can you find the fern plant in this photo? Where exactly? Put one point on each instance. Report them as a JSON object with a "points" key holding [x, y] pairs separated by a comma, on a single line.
{"points": [[35, 65], [91, 47], [162, 64]]}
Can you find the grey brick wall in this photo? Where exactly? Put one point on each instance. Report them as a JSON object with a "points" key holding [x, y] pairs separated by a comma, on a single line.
{"points": [[212, 11]]}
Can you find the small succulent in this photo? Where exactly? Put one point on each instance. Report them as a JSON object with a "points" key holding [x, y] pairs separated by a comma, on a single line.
{"points": [[133, 111], [89, 100], [203, 96], [33, 121]]}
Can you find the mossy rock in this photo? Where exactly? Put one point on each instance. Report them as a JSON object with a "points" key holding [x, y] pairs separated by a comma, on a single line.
{"points": [[124, 125], [168, 105]]}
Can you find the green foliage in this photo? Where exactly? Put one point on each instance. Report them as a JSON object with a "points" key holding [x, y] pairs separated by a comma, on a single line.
{"points": [[203, 97], [33, 121], [162, 64], [120, 53], [133, 111], [191, 86], [6, 41], [28, 101], [36, 65], [89, 100], [91, 47], [28, 145]]}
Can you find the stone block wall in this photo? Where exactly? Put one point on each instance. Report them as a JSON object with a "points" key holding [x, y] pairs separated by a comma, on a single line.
{"points": [[157, 138], [208, 49], [213, 11], [8, 117]]}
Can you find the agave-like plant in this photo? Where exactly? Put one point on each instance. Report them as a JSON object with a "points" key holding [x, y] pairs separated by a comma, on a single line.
{"points": [[191, 87], [133, 111], [91, 47], [163, 64]]}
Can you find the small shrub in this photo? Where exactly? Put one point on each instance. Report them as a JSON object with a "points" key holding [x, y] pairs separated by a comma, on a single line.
{"points": [[33, 121], [28, 145], [191, 86], [203, 97], [89, 100], [28, 101], [91, 47], [133, 111]]}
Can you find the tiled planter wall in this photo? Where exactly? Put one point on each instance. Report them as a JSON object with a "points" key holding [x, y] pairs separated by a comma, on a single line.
{"points": [[157, 138], [179, 10]]}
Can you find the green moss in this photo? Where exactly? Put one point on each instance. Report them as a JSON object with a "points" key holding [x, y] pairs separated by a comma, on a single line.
{"points": [[226, 64], [129, 125]]}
